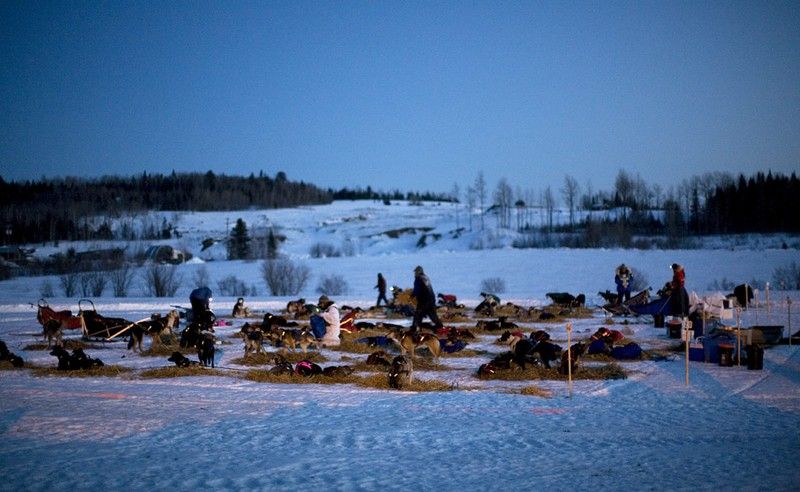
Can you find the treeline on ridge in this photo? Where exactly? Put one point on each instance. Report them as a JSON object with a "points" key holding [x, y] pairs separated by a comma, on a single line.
{"points": [[52, 209]]}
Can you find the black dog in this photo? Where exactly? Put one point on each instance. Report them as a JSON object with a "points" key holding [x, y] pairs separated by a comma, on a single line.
{"points": [[15, 360], [401, 372], [548, 352], [486, 370], [65, 361], [337, 371], [570, 358], [271, 320], [83, 361], [181, 361], [206, 349], [378, 358], [523, 353], [307, 368], [282, 368]]}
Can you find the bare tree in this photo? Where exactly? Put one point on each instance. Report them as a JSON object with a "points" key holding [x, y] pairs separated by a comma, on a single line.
{"points": [[570, 194], [470, 204], [161, 280], [503, 199], [201, 277], [623, 189], [480, 194], [284, 277], [68, 283], [121, 280], [455, 195], [549, 205]]}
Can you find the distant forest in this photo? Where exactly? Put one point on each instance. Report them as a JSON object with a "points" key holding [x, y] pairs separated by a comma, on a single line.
{"points": [[55, 209]]}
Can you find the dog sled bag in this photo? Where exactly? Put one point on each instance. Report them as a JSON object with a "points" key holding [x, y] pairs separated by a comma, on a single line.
{"points": [[318, 326], [630, 351], [598, 347]]}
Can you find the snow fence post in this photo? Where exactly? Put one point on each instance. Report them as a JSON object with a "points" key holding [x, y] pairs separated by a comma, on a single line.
{"points": [[569, 358], [767, 299], [687, 325], [755, 304], [789, 318], [739, 333]]}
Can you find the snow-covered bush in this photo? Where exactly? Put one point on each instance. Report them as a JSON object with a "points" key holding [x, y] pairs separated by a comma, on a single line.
{"points": [[324, 250], [284, 277], [495, 285], [121, 280], [46, 290], [201, 277], [787, 278], [92, 283], [232, 286], [68, 283], [332, 285], [161, 280]]}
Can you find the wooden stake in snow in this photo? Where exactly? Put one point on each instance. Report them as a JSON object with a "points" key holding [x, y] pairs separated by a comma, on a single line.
{"points": [[789, 318], [755, 304], [767, 298], [746, 296], [569, 357], [687, 325], [739, 334]]}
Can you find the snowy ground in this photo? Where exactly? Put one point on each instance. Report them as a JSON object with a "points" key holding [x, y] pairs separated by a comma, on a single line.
{"points": [[730, 428]]}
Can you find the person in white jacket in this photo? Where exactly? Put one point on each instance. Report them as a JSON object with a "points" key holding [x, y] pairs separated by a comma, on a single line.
{"points": [[330, 313]]}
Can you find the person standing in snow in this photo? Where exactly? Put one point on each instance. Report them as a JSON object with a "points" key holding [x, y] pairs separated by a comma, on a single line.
{"points": [[623, 278], [381, 286], [679, 301], [426, 299], [330, 314]]}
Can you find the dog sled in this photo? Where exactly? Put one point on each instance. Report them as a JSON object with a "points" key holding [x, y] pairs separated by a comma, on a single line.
{"points": [[97, 326], [628, 307], [68, 322]]}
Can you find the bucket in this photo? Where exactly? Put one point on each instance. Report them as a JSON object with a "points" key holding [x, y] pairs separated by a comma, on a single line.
{"points": [[674, 328], [725, 354], [755, 357], [658, 320]]}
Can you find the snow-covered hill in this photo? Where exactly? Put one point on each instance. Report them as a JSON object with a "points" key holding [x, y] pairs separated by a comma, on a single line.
{"points": [[368, 237]]}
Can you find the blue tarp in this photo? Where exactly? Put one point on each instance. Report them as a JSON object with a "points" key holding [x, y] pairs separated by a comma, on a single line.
{"points": [[659, 306]]}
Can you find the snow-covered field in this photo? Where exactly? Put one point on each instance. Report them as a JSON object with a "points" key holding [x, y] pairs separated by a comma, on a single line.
{"points": [[730, 428]]}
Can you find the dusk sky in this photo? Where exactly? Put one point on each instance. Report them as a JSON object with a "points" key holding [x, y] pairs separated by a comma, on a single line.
{"points": [[400, 95]]}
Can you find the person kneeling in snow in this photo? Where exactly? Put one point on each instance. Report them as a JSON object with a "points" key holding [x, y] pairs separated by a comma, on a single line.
{"points": [[326, 324]]}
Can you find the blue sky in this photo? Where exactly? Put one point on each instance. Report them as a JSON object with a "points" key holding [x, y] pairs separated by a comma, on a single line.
{"points": [[400, 95]]}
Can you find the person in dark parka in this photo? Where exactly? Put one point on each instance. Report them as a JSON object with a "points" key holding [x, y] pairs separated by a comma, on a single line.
{"points": [[381, 286], [426, 300]]}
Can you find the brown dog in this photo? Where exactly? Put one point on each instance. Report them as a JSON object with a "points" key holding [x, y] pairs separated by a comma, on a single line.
{"points": [[290, 339], [410, 342], [155, 327], [253, 338], [51, 330]]}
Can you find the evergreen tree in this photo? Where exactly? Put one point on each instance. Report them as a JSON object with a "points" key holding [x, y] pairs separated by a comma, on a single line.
{"points": [[239, 243], [272, 246]]}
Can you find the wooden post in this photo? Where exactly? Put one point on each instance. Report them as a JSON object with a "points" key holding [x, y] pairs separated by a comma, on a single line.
{"points": [[755, 304], [767, 299], [569, 357], [746, 296], [686, 327], [789, 318], [739, 330]]}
